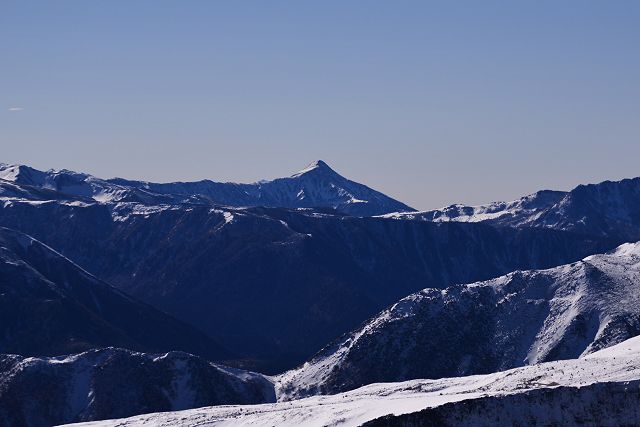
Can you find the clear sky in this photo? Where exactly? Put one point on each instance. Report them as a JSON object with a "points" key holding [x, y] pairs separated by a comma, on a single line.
{"points": [[430, 102]]}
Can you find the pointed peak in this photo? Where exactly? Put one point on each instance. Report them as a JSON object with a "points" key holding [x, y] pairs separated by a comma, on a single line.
{"points": [[318, 165]]}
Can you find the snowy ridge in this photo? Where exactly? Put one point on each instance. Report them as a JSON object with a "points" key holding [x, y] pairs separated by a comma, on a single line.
{"points": [[522, 318], [316, 186], [64, 181], [610, 208], [518, 212], [618, 365], [89, 385]]}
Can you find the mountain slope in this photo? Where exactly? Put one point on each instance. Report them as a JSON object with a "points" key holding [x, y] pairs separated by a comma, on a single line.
{"points": [[241, 275], [112, 382], [48, 306], [610, 208], [316, 186], [601, 389], [525, 317]]}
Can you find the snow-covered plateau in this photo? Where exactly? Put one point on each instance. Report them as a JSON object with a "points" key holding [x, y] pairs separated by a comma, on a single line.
{"points": [[601, 389]]}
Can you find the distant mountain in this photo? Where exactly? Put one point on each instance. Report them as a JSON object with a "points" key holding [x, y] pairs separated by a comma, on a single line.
{"points": [[69, 184], [602, 389], [50, 306], [610, 208], [110, 382], [525, 317], [242, 275], [316, 186]]}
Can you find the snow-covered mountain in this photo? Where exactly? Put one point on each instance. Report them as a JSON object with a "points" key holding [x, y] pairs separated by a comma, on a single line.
{"points": [[50, 306], [77, 185], [516, 213], [525, 317], [111, 382], [610, 208], [601, 389], [316, 186]]}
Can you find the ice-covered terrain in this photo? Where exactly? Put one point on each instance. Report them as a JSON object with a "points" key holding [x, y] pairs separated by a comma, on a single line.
{"points": [[316, 186], [525, 317], [111, 382], [601, 389], [610, 208]]}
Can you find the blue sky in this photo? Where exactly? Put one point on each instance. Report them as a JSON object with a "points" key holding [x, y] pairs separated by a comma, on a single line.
{"points": [[430, 102]]}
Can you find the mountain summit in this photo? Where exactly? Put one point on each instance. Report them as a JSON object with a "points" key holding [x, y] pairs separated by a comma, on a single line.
{"points": [[318, 166], [319, 186]]}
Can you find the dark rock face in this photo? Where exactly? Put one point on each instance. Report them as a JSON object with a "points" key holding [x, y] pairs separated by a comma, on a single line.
{"points": [[49, 306], [108, 383], [600, 404]]}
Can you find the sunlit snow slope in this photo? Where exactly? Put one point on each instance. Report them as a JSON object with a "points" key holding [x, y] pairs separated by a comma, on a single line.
{"points": [[599, 389], [522, 318]]}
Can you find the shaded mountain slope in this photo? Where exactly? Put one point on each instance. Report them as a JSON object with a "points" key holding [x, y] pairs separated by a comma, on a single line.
{"points": [[49, 306]]}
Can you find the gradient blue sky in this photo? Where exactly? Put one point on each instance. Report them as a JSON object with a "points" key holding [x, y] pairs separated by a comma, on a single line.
{"points": [[430, 102]]}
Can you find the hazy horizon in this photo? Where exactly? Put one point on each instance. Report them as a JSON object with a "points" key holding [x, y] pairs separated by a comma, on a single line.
{"points": [[430, 103]]}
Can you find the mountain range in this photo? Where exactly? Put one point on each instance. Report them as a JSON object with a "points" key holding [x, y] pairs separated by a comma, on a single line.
{"points": [[316, 186], [240, 274], [262, 276]]}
